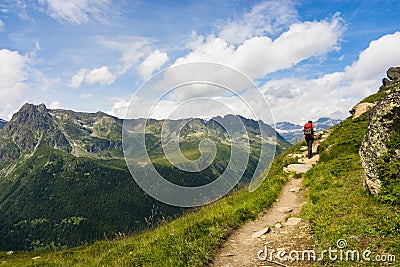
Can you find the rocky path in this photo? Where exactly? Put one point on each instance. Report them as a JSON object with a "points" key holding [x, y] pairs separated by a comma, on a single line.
{"points": [[279, 228]]}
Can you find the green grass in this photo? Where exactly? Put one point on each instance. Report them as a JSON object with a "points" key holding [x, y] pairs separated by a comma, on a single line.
{"points": [[339, 205], [189, 241], [379, 95], [389, 169]]}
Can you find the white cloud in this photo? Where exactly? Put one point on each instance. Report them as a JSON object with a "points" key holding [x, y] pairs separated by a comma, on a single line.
{"points": [[373, 61], [260, 55], [268, 17], [297, 100], [246, 46], [1, 25], [333, 95], [256, 57], [119, 108], [55, 105], [101, 75], [78, 78], [132, 49], [78, 11], [152, 63], [49, 83], [12, 68], [12, 83], [294, 99], [136, 51]]}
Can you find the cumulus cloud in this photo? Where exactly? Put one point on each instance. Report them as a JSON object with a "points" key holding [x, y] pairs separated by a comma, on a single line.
{"points": [[78, 78], [78, 11], [132, 49], [334, 94], [152, 63], [119, 108], [373, 61], [295, 99], [136, 51], [268, 17], [260, 55], [12, 83], [100, 75], [253, 53]]}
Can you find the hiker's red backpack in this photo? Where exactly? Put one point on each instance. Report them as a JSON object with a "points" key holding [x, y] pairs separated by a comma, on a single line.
{"points": [[308, 129]]}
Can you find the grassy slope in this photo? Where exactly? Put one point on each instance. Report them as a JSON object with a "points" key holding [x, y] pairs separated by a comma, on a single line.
{"points": [[339, 205], [188, 241]]}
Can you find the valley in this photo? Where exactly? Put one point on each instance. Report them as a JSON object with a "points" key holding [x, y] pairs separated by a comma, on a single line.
{"points": [[64, 180]]}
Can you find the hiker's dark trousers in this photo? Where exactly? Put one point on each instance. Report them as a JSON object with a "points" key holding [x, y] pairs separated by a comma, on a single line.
{"points": [[309, 140]]}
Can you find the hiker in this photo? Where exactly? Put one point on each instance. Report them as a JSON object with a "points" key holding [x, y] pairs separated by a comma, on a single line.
{"points": [[309, 130]]}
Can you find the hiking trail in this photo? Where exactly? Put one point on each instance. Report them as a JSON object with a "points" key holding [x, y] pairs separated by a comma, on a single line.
{"points": [[276, 228]]}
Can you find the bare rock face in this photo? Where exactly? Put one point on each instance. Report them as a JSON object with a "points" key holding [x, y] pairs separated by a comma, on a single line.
{"points": [[30, 126], [360, 109], [384, 121]]}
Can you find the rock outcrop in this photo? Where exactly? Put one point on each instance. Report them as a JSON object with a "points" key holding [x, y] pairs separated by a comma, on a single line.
{"points": [[384, 122], [360, 109], [393, 74], [101, 145]]}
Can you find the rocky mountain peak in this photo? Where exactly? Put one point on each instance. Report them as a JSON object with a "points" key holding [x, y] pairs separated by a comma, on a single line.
{"points": [[31, 126], [37, 117]]}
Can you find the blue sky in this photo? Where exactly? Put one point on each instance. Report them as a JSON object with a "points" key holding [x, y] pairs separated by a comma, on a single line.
{"points": [[310, 59]]}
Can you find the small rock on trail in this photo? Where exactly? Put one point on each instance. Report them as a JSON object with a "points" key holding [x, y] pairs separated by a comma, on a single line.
{"points": [[260, 233], [293, 221]]}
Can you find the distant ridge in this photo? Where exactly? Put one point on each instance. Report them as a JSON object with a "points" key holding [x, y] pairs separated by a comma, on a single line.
{"points": [[293, 132]]}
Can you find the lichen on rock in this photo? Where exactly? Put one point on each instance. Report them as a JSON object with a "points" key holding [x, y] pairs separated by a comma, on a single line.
{"points": [[384, 122]]}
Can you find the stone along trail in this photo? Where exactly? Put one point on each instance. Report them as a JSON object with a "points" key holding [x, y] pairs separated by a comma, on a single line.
{"points": [[278, 228]]}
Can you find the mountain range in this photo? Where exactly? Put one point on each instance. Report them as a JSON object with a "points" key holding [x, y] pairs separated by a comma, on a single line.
{"points": [[293, 133], [64, 180]]}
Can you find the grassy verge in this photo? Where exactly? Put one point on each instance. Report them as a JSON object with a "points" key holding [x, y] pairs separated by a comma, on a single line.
{"points": [[339, 205], [188, 241]]}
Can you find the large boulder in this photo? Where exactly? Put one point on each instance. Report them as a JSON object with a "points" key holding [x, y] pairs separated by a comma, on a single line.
{"points": [[360, 109], [384, 122], [393, 74]]}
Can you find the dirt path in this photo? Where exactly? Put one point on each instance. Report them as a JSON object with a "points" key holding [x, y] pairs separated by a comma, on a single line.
{"points": [[278, 228]]}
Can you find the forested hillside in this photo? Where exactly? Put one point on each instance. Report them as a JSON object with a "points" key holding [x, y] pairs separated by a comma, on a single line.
{"points": [[64, 181]]}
